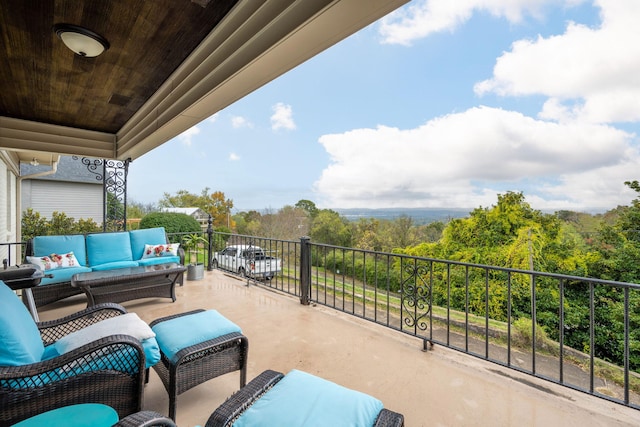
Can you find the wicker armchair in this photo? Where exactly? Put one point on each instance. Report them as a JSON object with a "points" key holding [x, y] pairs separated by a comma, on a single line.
{"points": [[227, 413], [110, 370]]}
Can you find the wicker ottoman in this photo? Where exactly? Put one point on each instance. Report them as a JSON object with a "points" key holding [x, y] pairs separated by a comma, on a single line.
{"points": [[195, 347]]}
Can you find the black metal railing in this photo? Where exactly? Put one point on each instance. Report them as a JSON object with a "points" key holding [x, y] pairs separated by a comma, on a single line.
{"points": [[578, 332], [11, 253], [573, 331]]}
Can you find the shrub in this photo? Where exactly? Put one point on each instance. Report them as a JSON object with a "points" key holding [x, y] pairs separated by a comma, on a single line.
{"points": [[172, 222], [522, 336], [33, 224], [61, 224], [84, 226]]}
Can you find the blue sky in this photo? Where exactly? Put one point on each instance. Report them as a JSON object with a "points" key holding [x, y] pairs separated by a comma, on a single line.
{"points": [[440, 104]]}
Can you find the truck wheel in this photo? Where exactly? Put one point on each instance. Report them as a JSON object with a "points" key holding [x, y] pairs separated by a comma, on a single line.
{"points": [[215, 264], [267, 278], [242, 272]]}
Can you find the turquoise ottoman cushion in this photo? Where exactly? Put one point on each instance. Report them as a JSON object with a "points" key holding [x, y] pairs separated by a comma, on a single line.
{"points": [[82, 415], [184, 331], [302, 399]]}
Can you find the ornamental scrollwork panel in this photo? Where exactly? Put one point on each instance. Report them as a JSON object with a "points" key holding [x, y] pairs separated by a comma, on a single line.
{"points": [[416, 296]]}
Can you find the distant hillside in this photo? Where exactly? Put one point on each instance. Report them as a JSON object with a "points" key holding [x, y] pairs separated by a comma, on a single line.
{"points": [[419, 215]]}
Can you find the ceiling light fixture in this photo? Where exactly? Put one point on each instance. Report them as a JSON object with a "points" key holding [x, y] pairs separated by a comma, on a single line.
{"points": [[83, 42], [34, 162]]}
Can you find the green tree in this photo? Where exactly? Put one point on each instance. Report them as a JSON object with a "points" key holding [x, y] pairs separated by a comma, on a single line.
{"points": [[138, 210], [248, 223], [330, 228], [366, 234], [182, 199], [215, 204], [309, 207]]}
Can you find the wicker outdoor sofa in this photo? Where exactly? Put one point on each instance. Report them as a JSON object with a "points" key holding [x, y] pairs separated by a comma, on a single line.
{"points": [[93, 252], [231, 410]]}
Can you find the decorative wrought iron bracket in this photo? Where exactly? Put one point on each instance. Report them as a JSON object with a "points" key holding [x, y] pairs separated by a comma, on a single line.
{"points": [[113, 174]]}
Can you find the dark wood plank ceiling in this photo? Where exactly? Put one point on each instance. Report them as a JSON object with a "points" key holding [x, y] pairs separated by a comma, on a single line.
{"points": [[42, 80]]}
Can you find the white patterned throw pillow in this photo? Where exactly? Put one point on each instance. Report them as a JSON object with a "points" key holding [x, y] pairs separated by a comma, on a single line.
{"points": [[166, 249]]}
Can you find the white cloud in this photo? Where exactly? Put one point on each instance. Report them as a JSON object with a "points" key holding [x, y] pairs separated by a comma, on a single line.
{"points": [[240, 122], [425, 17], [186, 137], [465, 159], [234, 157], [282, 117], [213, 118], [588, 74]]}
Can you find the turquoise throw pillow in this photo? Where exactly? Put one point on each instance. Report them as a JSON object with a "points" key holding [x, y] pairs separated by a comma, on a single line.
{"points": [[20, 341], [184, 331], [302, 399]]}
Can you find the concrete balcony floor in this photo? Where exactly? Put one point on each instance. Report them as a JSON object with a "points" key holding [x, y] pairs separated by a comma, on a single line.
{"points": [[440, 387]]}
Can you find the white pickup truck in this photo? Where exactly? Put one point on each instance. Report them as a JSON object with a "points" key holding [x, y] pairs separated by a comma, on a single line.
{"points": [[248, 261]]}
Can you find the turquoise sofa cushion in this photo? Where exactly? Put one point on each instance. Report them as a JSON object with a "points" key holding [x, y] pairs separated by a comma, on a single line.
{"points": [[159, 260], [114, 265], [146, 236], [302, 399], [82, 415], [47, 245], [184, 331], [60, 275], [104, 248], [20, 341]]}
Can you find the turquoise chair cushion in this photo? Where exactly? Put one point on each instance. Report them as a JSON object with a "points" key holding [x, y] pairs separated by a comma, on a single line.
{"points": [[20, 341], [302, 399], [47, 245], [184, 331], [82, 415], [104, 248], [146, 236]]}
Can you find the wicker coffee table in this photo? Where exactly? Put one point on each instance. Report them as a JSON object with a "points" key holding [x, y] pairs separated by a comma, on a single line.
{"points": [[130, 283]]}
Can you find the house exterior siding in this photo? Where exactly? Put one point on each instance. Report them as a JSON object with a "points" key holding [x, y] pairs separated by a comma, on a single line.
{"points": [[76, 200]]}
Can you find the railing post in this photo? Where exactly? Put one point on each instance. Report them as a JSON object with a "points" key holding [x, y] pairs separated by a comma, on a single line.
{"points": [[210, 238], [305, 270]]}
